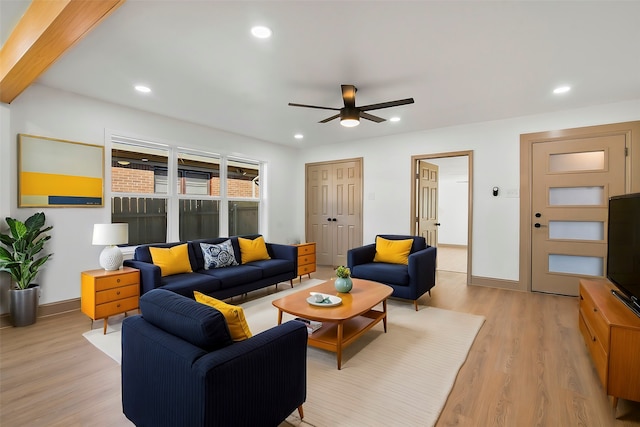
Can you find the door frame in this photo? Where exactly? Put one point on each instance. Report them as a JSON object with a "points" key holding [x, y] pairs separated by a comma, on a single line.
{"points": [[414, 196], [632, 180]]}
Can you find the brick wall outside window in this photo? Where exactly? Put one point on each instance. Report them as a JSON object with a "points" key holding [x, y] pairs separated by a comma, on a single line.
{"points": [[131, 180]]}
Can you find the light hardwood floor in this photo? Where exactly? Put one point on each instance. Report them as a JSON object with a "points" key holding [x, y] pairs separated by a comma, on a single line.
{"points": [[527, 367]]}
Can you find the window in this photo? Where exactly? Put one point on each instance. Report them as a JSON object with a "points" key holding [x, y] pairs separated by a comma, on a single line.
{"points": [[138, 196], [243, 192], [157, 212], [199, 195]]}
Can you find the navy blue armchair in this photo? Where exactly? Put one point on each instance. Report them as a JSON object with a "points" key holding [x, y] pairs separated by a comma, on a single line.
{"points": [[408, 281], [181, 368]]}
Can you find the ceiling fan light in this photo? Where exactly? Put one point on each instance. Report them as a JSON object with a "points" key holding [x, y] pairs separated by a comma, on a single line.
{"points": [[349, 117], [349, 123]]}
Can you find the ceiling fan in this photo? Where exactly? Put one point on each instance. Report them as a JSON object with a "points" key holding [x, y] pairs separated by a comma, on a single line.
{"points": [[350, 114]]}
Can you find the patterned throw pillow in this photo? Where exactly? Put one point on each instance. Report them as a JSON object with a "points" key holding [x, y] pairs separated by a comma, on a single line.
{"points": [[217, 256]]}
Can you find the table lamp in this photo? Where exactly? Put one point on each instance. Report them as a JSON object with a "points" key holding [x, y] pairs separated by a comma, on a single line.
{"points": [[110, 235]]}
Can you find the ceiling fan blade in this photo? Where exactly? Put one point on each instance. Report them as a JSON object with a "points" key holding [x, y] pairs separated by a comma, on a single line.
{"points": [[328, 119], [371, 117], [291, 104], [349, 95], [386, 104]]}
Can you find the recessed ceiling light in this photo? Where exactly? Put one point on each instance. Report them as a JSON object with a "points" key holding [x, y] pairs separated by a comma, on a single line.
{"points": [[394, 119], [562, 89], [298, 136], [142, 88], [261, 32]]}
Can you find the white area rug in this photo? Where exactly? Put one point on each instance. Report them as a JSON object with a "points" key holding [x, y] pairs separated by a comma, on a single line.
{"points": [[401, 378]]}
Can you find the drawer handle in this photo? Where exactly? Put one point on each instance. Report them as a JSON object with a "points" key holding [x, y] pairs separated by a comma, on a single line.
{"points": [[118, 305], [117, 280], [118, 293], [595, 310]]}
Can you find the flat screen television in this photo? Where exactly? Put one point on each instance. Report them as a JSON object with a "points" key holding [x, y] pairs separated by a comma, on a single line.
{"points": [[623, 248]]}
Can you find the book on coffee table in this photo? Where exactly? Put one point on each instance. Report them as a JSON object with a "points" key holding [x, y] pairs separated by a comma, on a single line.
{"points": [[312, 325]]}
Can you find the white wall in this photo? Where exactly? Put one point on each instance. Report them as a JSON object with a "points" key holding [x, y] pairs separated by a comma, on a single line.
{"points": [[387, 166], [5, 185], [47, 112]]}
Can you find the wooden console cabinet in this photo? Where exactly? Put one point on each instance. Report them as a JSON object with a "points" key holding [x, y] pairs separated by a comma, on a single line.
{"points": [[612, 334], [306, 259], [107, 293]]}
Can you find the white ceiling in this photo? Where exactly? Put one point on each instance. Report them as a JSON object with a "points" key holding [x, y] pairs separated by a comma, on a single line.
{"points": [[462, 62]]}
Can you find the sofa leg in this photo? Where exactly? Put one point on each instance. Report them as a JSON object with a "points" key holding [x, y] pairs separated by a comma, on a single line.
{"points": [[291, 282], [300, 412], [415, 303]]}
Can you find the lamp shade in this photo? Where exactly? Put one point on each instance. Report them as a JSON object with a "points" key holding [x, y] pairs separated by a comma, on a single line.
{"points": [[110, 234]]}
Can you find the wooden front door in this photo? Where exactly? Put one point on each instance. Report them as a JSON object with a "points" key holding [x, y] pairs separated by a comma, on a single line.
{"points": [[334, 209], [572, 180]]}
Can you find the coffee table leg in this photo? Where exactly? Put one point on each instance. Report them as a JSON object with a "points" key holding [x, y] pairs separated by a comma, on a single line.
{"points": [[339, 344], [279, 316], [384, 319]]}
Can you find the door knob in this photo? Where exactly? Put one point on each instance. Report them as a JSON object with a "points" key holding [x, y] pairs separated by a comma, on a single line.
{"points": [[334, 219], [538, 214], [438, 224], [328, 219], [537, 225]]}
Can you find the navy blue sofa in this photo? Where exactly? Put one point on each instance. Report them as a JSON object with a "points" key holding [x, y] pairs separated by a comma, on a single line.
{"points": [[181, 368], [220, 283], [408, 281]]}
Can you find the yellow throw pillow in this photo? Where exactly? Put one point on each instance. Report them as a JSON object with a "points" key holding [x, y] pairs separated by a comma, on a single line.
{"points": [[234, 316], [253, 250], [392, 251], [174, 260]]}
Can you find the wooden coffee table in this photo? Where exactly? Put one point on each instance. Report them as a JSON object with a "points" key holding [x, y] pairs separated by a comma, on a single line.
{"points": [[344, 323]]}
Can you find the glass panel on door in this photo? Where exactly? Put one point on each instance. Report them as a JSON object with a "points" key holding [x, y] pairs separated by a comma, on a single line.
{"points": [[576, 230], [576, 162], [576, 196], [575, 264]]}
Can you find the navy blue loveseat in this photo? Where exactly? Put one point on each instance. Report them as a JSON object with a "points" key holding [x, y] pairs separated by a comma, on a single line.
{"points": [[408, 281], [222, 282], [181, 368]]}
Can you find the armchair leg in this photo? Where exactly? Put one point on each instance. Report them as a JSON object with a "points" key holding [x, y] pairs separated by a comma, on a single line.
{"points": [[415, 303], [300, 412], [291, 282]]}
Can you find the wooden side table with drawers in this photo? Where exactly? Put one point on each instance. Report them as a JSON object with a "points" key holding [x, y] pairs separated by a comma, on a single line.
{"points": [[107, 293], [612, 334], [306, 259]]}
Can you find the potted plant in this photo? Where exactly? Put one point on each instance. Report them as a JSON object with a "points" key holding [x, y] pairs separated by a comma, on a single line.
{"points": [[19, 256], [343, 281]]}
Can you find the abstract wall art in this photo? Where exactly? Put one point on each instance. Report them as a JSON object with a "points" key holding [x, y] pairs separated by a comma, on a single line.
{"points": [[57, 173]]}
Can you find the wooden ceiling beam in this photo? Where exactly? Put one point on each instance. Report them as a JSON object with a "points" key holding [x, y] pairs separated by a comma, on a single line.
{"points": [[47, 30]]}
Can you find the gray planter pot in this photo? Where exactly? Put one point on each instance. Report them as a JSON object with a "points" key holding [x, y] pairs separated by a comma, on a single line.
{"points": [[24, 305]]}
